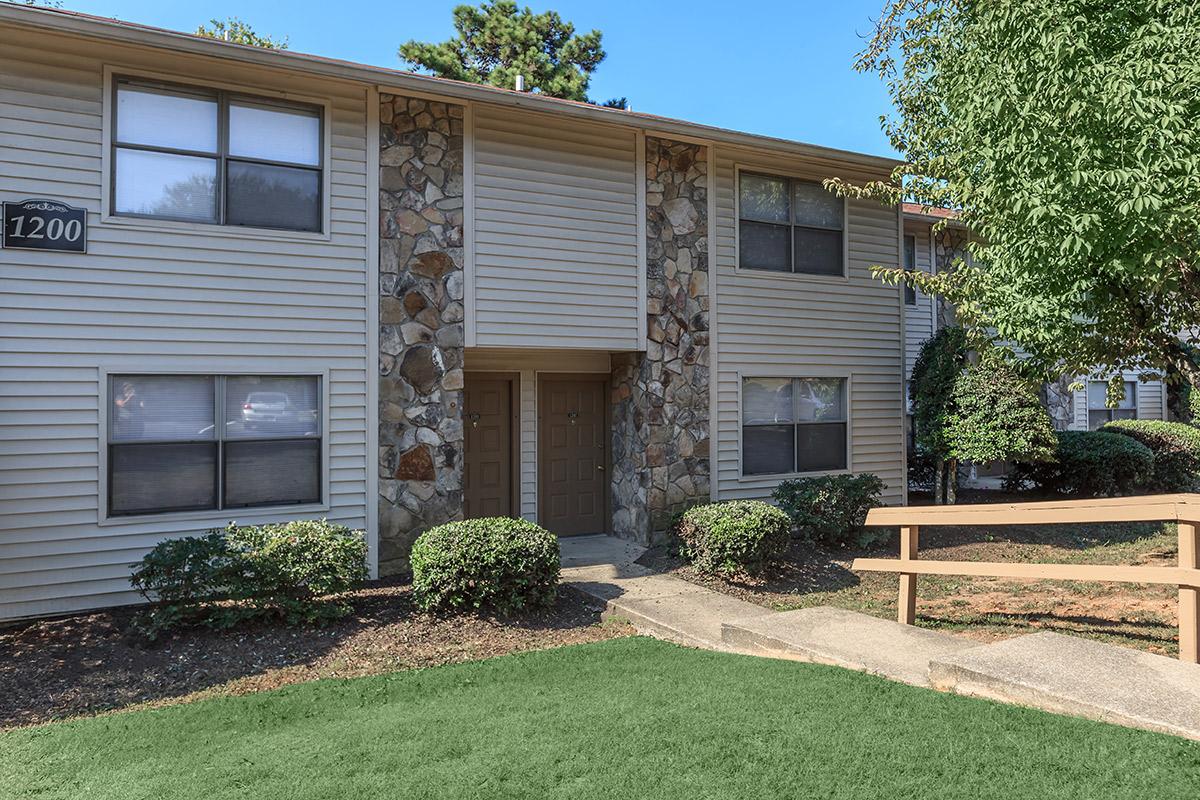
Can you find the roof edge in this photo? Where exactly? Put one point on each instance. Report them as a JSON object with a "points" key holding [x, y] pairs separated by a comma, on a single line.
{"points": [[62, 21]]}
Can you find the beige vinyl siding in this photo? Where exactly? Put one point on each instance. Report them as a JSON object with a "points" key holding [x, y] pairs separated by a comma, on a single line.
{"points": [[1151, 400], [152, 297], [918, 319], [556, 232], [793, 326], [528, 364]]}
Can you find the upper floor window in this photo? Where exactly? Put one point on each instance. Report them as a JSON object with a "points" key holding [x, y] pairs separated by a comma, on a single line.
{"points": [[793, 425], [910, 264], [203, 155], [789, 225], [1097, 403]]}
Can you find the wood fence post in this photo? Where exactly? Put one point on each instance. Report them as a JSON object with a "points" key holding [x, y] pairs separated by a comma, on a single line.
{"points": [[906, 609], [1189, 596]]}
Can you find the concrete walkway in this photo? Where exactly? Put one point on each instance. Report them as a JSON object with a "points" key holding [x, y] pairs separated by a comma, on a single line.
{"points": [[657, 605], [1056, 673]]}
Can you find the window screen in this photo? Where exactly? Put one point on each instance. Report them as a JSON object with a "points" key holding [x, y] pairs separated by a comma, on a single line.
{"points": [[1097, 400], [201, 155], [788, 225], [190, 442], [793, 425]]}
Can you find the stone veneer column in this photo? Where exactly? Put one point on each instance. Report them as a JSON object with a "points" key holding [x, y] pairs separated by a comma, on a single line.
{"points": [[1060, 402], [420, 322], [948, 245], [660, 397]]}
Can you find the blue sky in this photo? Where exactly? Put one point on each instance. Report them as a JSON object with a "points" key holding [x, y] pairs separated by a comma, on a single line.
{"points": [[776, 68]]}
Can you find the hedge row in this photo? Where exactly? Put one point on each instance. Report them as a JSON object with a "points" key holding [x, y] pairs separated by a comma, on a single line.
{"points": [[1123, 457]]}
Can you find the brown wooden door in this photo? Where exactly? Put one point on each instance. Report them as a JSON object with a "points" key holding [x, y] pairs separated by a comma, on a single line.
{"points": [[573, 455], [488, 425]]}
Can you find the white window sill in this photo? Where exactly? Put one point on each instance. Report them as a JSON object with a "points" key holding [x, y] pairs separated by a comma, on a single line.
{"points": [[218, 519], [790, 276], [790, 476], [212, 229]]}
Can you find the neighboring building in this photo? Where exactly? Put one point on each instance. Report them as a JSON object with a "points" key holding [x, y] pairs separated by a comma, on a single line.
{"points": [[1070, 409], [320, 289]]}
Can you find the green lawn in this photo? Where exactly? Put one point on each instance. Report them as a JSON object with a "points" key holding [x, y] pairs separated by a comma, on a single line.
{"points": [[629, 718]]}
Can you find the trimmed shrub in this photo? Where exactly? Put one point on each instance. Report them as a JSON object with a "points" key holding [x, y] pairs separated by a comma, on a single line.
{"points": [[1089, 464], [942, 358], [831, 509], [293, 571], [998, 416], [495, 563], [1176, 448], [733, 538]]}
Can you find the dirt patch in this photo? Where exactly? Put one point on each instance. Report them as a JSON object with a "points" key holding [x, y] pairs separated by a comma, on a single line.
{"points": [[1132, 615], [91, 663]]}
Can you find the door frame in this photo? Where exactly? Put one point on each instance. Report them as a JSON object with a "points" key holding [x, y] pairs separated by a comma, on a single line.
{"points": [[514, 429], [605, 380]]}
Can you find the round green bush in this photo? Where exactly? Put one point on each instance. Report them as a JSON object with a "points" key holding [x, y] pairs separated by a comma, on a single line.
{"points": [[1176, 448], [832, 509], [1090, 464], [297, 571], [736, 537], [494, 563]]}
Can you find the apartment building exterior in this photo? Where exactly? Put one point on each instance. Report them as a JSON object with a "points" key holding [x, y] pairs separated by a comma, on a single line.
{"points": [[310, 288]]}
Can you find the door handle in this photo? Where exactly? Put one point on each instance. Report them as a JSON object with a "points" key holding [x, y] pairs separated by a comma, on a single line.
{"points": [[600, 467]]}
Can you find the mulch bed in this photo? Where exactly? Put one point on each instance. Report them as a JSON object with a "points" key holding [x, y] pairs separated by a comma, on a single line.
{"points": [[51, 669]]}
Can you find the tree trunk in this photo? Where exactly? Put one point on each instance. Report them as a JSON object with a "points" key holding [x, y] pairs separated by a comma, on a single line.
{"points": [[951, 481], [1182, 378], [938, 473]]}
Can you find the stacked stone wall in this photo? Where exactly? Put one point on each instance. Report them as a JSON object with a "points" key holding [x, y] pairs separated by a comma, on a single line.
{"points": [[420, 322], [661, 397]]}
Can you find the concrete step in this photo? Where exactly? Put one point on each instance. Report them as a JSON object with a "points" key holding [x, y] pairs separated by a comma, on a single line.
{"points": [[845, 639], [1069, 675], [695, 619]]}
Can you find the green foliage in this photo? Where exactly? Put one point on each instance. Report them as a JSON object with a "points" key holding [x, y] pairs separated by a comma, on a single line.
{"points": [[1089, 464], [225, 577], [733, 538], [496, 42], [831, 509], [1176, 448], [1066, 136], [998, 415], [934, 374], [495, 563], [234, 30]]}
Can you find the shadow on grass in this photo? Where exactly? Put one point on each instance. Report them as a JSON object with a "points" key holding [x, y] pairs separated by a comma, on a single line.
{"points": [[1151, 631]]}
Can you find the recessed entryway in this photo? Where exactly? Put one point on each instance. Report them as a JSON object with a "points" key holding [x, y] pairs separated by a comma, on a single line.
{"points": [[491, 428], [573, 460]]}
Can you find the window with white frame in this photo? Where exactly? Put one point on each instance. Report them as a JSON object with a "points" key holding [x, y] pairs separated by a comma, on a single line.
{"points": [[792, 425], [212, 442], [790, 225], [910, 264], [202, 155], [1097, 404]]}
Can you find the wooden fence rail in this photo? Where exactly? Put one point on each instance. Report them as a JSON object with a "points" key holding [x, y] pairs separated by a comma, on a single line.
{"points": [[1182, 509]]}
